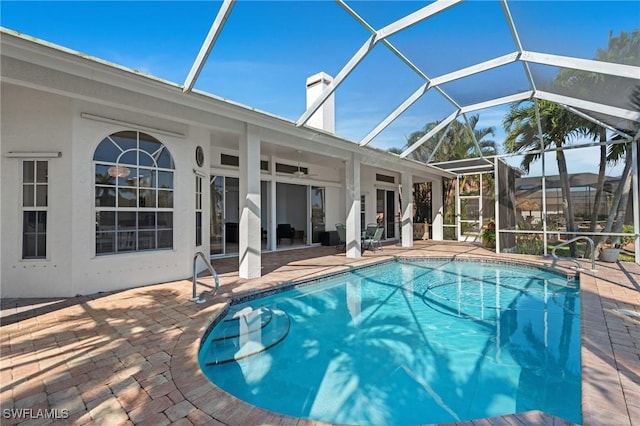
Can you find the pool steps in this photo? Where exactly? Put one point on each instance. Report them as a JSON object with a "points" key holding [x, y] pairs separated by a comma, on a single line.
{"points": [[246, 332]]}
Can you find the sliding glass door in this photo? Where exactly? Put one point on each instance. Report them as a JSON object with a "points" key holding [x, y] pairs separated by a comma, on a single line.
{"points": [[289, 198], [390, 227], [317, 213], [224, 215], [386, 212], [216, 239]]}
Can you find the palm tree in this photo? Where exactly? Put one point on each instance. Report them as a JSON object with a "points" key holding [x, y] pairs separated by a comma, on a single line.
{"points": [[457, 143], [559, 127], [621, 49], [615, 154]]}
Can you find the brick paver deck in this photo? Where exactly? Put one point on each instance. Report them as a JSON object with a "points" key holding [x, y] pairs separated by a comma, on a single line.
{"points": [[130, 357]]}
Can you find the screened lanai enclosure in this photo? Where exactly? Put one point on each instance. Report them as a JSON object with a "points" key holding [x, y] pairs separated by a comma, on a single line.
{"points": [[530, 111], [504, 208], [533, 106]]}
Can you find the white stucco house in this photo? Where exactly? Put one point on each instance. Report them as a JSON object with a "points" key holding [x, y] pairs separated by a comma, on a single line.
{"points": [[113, 179]]}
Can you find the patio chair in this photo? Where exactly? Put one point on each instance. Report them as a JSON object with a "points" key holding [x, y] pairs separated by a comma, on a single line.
{"points": [[369, 230], [342, 237], [285, 230], [373, 243]]}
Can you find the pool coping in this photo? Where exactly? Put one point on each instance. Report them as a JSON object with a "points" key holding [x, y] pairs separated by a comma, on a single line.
{"points": [[228, 409]]}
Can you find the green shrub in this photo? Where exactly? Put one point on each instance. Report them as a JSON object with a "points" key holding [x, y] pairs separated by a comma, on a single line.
{"points": [[530, 244], [489, 235], [449, 233], [627, 229]]}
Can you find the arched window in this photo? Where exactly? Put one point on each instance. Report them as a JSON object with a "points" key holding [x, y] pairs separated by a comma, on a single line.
{"points": [[133, 194]]}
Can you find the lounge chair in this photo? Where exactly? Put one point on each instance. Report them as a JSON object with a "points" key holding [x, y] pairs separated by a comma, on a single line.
{"points": [[373, 243], [342, 237]]}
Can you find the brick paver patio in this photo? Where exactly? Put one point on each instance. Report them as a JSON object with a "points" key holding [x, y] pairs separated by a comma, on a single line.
{"points": [[130, 357]]}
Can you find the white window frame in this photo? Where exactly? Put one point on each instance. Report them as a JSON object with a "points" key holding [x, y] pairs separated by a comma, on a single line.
{"points": [[137, 210], [34, 207], [199, 212]]}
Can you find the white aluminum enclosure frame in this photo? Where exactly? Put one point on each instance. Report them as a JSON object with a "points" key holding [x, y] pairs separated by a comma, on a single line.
{"points": [[584, 108], [383, 34], [588, 109]]}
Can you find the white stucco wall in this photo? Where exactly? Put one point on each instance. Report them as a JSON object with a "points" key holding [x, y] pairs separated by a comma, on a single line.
{"points": [[34, 121], [95, 273], [45, 91], [37, 121]]}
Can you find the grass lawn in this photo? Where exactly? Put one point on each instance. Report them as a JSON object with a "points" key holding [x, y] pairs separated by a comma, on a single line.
{"points": [[564, 250], [625, 256]]}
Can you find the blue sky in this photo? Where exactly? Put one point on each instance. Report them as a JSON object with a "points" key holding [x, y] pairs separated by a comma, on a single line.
{"points": [[269, 48]]}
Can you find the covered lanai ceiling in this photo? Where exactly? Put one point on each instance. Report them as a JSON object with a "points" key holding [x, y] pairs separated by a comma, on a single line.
{"points": [[452, 74], [397, 66]]}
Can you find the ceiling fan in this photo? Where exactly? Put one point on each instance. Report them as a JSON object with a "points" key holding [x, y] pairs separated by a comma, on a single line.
{"points": [[299, 173]]}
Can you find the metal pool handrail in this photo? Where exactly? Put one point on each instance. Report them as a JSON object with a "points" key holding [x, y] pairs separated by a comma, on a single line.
{"points": [[196, 298], [582, 237]]}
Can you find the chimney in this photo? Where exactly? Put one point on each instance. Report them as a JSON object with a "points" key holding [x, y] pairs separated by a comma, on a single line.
{"points": [[324, 118]]}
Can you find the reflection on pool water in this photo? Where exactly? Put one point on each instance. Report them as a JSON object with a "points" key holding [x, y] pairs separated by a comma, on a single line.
{"points": [[426, 341]]}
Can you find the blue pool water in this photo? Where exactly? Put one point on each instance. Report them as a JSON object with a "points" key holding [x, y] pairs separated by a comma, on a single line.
{"points": [[401, 343]]}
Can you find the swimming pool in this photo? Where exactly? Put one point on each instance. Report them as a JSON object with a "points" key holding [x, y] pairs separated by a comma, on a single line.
{"points": [[406, 342]]}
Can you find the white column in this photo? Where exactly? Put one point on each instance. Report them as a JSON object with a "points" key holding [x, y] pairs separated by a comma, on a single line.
{"points": [[250, 235], [437, 210], [272, 205], [354, 249], [406, 226]]}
